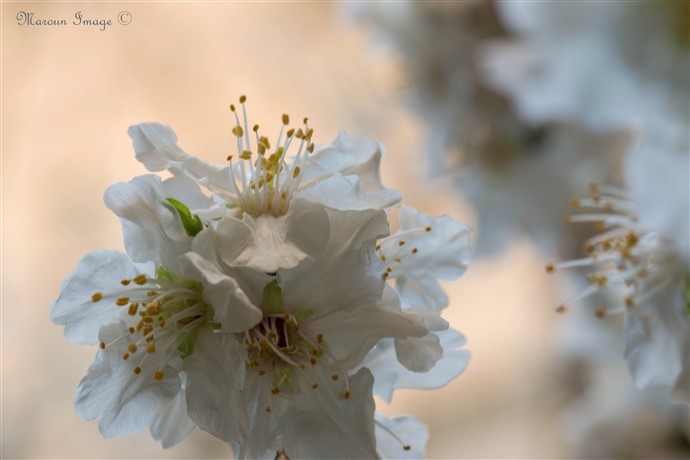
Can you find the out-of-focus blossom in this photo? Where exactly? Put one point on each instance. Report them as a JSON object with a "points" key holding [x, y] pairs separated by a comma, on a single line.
{"points": [[516, 173], [643, 250]]}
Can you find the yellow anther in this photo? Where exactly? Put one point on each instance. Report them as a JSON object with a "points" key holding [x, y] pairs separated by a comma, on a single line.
{"points": [[148, 320], [629, 302], [286, 119], [600, 312], [238, 131], [550, 268], [386, 275], [264, 140], [125, 282], [262, 372], [314, 386], [150, 347], [561, 309], [161, 322], [158, 375], [427, 229], [305, 121], [347, 394], [401, 243], [594, 187], [406, 447], [378, 247], [131, 330], [147, 330], [313, 361], [309, 134], [151, 293], [102, 345], [125, 356], [261, 148], [229, 158], [268, 409], [319, 337], [243, 99], [334, 377], [255, 128], [575, 202], [132, 347], [290, 132], [310, 148], [296, 171], [275, 390], [302, 366], [133, 309], [140, 279], [137, 370], [232, 107], [415, 250], [596, 198], [122, 301], [96, 297], [246, 155], [389, 269], [397, 259], [567, 220], [283, 195]]}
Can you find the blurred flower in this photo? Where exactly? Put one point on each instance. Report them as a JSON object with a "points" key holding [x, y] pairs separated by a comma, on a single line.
{"points": [[607, 65], [516, 173], [643, 249]]}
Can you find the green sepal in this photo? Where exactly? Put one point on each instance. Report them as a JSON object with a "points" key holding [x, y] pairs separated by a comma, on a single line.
{"points": [[272, 298], [304, 314], [163, 274], [192, 224], [186, 347]]}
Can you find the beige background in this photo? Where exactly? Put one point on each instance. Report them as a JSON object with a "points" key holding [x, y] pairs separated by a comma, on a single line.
{"points": [[68, 95]]}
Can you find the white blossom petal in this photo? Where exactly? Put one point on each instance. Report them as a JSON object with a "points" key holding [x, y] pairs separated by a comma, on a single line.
{"points": [[172, 424], [323, 424], [122, 401], [406, 431], [345, 194], [98, 272]]}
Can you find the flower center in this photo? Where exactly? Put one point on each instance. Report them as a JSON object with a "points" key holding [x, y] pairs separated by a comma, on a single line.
{"points": [[621, 254], [263, 181], [165, 316]]}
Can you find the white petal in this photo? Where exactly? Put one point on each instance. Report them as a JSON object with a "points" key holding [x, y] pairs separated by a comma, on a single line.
{"points": [[214, 374], [323, 424], [172, 424], [99, 271], [419, 354], [390, 374], [344, 193], [232, 308], [658, 343], [347, 272], [152, 231], [122, 401], [355, 154], [424, 250], [409, 430], [351, 334]]}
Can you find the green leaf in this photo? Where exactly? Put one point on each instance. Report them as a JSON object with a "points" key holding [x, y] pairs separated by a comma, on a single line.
{"points": [[272, 298], [192, 224]]}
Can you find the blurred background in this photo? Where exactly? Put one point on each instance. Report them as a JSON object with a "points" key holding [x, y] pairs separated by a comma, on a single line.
{"points": [[536, 386]]}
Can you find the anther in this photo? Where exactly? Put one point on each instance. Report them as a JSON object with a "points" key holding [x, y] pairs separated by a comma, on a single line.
{"points": [[314, 386], [150, 347], [243, 99], [137, 370], [255, 128], [125, 282], [575, 202], [122, 301], [427, 229], [268, 409], [550, 268], [334, 377], [125, 356], [96, 297], [600, 312], [286, 119], [131, 330], [232, 107], [133, 309], [406, 447], [262, 372], [415, 250], [313, 361], [296, 172], [319, 337], [310, 149], [238, 131], [132, 347], [561, 309], [275, 390], [158, 375], [594, 187], [401, 243], [102, 345], [347, 394], [629, 302], [140, 279]]}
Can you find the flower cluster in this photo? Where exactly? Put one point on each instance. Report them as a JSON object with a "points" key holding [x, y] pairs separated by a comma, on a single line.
{"points": [[264, 299]]}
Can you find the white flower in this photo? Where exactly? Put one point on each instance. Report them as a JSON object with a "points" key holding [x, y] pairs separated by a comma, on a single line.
{"points": [[406, 432], [643, 249], [290, 380], [609, 65], [272, 221], [146, 316]]}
